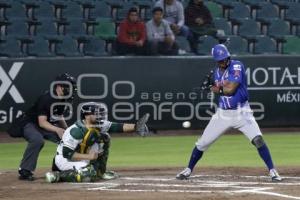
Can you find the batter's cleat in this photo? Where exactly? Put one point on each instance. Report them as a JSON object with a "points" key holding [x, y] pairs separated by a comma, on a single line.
{"points": [[52, 177], [275, 175], [184, 174], [109, 175], [25, 175]]}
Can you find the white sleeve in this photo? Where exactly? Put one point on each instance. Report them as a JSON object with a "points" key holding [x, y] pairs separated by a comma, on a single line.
{"points": [[69, 141], [180, 14]]}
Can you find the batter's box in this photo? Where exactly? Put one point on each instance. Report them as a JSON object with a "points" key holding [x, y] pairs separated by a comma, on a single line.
{"points": [[223, 184]]}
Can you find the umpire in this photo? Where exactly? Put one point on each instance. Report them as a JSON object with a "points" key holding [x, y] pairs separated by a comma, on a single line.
{"points": [[43, 121]]}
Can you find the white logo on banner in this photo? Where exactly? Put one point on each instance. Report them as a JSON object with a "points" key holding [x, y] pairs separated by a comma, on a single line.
{"points": [[7, 84]]}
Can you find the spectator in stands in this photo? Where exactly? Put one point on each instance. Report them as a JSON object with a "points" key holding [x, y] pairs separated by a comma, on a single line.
{"points": [[161, 39], [174, 14], [132, 35], [199, 21]]}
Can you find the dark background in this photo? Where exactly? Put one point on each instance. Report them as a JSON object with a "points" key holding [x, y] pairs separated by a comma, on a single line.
{"points": [[157, 75]]}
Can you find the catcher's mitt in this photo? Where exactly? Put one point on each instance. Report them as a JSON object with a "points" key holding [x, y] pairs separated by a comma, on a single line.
{"points": [[141, 127], [208, 81]]}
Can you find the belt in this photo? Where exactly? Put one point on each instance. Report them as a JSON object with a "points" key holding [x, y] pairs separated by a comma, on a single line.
{"points": [[229, 108], [235, 108]]}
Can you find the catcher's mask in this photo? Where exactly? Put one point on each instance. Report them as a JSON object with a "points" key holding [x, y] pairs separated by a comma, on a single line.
{"points": [[93, 108]]}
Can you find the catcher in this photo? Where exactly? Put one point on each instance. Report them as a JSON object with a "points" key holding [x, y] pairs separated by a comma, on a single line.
{"points": [[83, 151]]}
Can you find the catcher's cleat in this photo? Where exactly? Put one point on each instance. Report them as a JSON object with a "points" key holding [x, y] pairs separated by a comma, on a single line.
{"points": [[109, 175], [183, 175], [52, 177], [275, 175]]}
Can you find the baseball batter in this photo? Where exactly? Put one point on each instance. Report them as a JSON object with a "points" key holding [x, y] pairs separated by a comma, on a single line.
{"points": [[83, 151], [233, 112]]}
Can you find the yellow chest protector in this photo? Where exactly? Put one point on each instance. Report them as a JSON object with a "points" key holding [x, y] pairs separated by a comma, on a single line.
{"points": [[91, 136]]}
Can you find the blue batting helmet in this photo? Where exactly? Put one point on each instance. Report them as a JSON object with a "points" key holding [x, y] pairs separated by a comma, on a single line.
{"points": [[220, 52]]}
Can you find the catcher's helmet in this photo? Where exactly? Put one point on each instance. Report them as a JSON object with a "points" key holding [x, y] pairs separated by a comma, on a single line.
{"points": [[93, 108], [65, 77], [220, 52]]}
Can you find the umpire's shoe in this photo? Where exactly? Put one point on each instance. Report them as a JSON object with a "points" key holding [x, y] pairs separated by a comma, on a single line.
{"points": [[25, 175], [275, 175], [184, 174]]}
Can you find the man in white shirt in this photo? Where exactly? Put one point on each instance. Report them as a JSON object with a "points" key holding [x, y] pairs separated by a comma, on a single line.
{"points": [[174, 15], [161, 39]]}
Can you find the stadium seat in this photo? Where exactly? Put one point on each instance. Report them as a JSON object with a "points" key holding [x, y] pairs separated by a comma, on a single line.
{"points": [[215, 9], [46, 27], [145, 8], [75, 27], [16, 10], [94, 47], [105, 29], [115, 3], [223, 24], [142, 3], [265, 45], [226, 3], [123, 11], [57, 3], [240, 11], [249, 29], [147, 15], [266, 12], [184, 45], [10, 47], [101, 9], [292, 45], [39, 47], [67, 47], [293, 14], [237, 45], [298, 31], [72, 10], [206, 43], [282, 5], [86, 6], [3, 5], [278, 29], [254, 5], [17, 27], [43, 10], [226, 6]]}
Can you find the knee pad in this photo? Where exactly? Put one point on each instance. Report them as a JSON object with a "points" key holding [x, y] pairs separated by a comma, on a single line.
{"points": [[202, 145], [258, 141]]}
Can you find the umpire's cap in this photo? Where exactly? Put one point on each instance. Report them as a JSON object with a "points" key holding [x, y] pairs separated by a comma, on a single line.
{"points": [[65, 77]]}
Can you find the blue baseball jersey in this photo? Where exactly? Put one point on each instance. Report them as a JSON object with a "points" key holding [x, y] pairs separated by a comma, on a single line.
{"points": [[235, 72]]}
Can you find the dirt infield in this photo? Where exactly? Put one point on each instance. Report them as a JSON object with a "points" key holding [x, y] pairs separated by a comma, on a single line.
{"points": [[155, 184]]}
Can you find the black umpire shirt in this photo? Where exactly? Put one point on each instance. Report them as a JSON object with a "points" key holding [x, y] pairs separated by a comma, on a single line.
{"points": [[43, 106]]}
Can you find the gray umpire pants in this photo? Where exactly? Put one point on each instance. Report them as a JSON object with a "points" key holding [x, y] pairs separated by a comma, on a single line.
{"points": [[35, 137]]}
